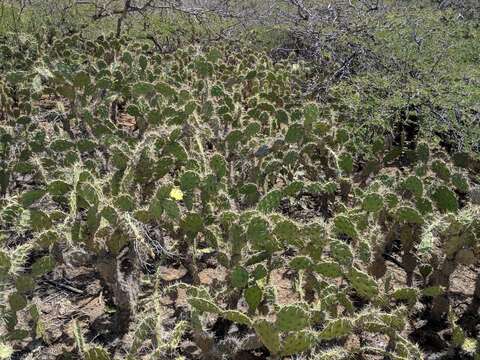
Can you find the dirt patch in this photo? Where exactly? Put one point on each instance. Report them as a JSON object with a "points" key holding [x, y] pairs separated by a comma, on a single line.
{"points": [[63, 301], [211, 276], [283, 284]]}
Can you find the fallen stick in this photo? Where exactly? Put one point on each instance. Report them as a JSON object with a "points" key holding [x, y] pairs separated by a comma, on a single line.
{"points": [[65, 287]]}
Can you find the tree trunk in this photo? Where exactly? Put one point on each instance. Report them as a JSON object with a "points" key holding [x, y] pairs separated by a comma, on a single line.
{"points": [[475, 304], [121, 275], [122, 17], [441, 277]]}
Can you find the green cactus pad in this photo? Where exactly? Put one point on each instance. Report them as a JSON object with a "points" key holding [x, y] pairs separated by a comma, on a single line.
{"points": [[192, 223], [189, 181], [171, 209], [328, 269], [258, 232], [58, 188], [268, 335], [250, 193], [311, 114], [81, 79], [17, 301], [406, 294], [424, 206], [142, 88], [460, 182], [433, 291], [61, 145], [5, 264], [233, 137], [253, 297], [260, 272], [287, 232], [86, 145], [364, 251], [301, 263], [125, 202], [270, 202], [143, 62], [177, 150], [445, 199], [204, 305], [294, 134], [423, 152], [439, 167], [239, 277], [88, 193], [32, 196], [257, 258], [24, 283], [282, 116], [342, 136], [341, 252], [336, 329], [298, 342], [39, 220], [372, 202], [363, 283], [391, 200], [409, 215], [293, 188], [218, 165], [465, 257], [292, 318], [394, 321], [345, 162], [237, 317], [343, 225], [413, 184], [462, 159]]}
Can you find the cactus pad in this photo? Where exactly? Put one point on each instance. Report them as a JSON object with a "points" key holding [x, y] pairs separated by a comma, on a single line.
{"points": [[445, 199], [204, 305], [239, 277], [336, 329], [362, 283], [237, 317], [268, 335], [341, 252], [253, 297], [292, 318], [298, 342], [343, 225], [372, 202], [328, 269]]}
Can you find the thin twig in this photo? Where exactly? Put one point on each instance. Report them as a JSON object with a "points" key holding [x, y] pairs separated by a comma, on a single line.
{"points": [[64, 286]]}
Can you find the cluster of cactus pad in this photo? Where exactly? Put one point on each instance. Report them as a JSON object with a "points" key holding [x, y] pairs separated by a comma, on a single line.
{"points": [[102, 141]]}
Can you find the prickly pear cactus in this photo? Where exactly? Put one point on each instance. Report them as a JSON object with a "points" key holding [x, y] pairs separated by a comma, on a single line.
{"points": [[268, 335], [292, 318], [211, 157], [336, 329], [298, 342]]}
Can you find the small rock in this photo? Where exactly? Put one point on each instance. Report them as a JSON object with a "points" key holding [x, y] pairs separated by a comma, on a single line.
{"points": [[171, 274]]}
